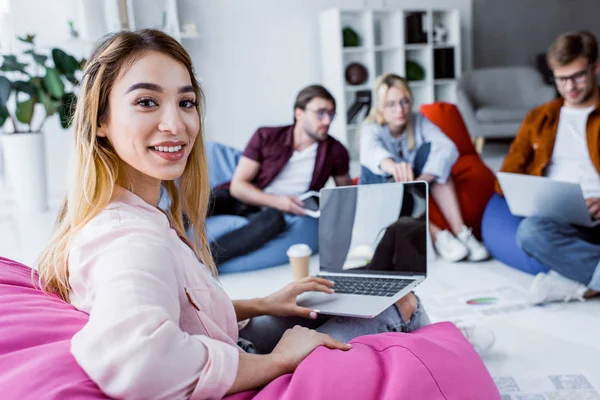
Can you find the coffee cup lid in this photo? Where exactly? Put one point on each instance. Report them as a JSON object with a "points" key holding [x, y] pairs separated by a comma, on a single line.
{"points": [[299, 250]]}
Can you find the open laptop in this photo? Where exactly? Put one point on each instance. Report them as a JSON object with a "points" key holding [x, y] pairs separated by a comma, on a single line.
{"points": [[536, 196], [372, 244]]}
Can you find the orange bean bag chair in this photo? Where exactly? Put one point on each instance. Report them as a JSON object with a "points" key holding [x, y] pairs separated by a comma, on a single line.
{"points": [[474, 181]]}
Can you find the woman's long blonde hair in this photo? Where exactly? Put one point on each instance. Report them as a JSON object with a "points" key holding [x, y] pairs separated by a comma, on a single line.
{"points": [[383, 83], [96, 168]]}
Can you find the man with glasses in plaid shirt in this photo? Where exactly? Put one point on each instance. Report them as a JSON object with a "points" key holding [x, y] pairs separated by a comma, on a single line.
{"points": [[561, 140], [278, 164]]}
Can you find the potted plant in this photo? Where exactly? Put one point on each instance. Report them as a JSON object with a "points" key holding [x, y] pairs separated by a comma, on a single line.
{"points": [[42, 85]]}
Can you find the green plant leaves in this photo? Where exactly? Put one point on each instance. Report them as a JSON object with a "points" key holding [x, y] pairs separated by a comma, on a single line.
{"points": [[65, 63], [54, 83], [45, 85], [11, 64], [3, 115], [27, 39], [66, 109], [25, 87], [72, 79], [39, 58], [5, 88], [25, 109], [50, 105]]}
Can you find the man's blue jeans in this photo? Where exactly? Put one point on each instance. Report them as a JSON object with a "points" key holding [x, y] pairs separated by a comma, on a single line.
{"points": [[572, 251]]}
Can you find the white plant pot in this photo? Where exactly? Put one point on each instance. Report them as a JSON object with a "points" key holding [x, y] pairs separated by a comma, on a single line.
{"points": [[25, 161]]}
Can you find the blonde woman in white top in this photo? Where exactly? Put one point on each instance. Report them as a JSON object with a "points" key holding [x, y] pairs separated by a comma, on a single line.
{"points": [[399, 145]]}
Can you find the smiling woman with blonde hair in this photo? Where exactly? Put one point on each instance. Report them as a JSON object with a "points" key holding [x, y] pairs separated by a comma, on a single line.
{"points": [[160, 324], [397, 144], [98, 171]]}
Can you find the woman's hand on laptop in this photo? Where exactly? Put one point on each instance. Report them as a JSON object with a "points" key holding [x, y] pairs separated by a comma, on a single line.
{"points": [[402, 171], [594, 207], [283, 302]]}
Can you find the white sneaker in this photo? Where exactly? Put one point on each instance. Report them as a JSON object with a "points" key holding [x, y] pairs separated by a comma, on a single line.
{"points": [[481, 338], [551, 287], [449, 247], [477, 251]]}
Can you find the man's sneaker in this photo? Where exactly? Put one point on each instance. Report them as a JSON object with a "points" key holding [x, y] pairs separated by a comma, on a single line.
{"points": [[449, 247], [481, 338], [477, 251], [551, 287]]}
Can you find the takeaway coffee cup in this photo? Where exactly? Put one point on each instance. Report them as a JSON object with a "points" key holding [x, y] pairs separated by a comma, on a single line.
{"points": [[299, 255]]}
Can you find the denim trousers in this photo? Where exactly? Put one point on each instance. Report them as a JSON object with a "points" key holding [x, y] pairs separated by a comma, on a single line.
{"points": [[572, 251], [261, 334], [264, 225], [367, 176]]}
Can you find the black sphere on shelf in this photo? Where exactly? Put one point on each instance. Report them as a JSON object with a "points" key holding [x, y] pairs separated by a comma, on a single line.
{"points": [[356, 74]]}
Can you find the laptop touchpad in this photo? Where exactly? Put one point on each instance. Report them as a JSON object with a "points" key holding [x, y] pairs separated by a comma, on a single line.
{"points": [[313, 299]]}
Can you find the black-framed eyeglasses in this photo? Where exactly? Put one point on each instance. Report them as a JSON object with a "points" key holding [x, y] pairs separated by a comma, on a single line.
{"points": [[577, 78], [322, 113]]}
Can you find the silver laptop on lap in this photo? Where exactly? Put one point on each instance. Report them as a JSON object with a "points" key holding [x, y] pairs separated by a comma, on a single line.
{"points": [[372, 244], [536, 196]]}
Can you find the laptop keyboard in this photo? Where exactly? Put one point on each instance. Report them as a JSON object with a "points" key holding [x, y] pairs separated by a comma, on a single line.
{"points": [[383, 287]]}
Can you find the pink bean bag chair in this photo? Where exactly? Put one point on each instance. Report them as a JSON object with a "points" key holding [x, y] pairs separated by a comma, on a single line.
{"points": [[434, 363]]}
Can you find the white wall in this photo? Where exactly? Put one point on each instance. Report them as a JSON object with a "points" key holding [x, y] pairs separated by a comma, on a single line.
{"points": [[253, 58]]}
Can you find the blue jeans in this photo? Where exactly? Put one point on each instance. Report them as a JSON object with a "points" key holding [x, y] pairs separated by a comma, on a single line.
{"points": [[367, 176], [572, 251], [262, 334], [499, 231]]}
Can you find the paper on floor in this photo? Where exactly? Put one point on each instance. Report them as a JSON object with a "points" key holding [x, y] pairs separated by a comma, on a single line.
{"points": [[546, 387], [464, 306]]}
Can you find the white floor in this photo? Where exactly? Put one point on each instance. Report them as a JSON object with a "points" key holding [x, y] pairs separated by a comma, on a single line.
{"points": [[555, 339]]}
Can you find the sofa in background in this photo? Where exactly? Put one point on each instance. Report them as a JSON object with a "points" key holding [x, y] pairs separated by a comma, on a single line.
{"points": [[498, 229], [474, 181], [495, 101], [434, 363]]}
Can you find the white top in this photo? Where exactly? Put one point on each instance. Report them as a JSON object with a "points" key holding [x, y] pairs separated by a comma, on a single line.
{"points": [[571, 160], [377, 144], [296, 176], [160, 326]]}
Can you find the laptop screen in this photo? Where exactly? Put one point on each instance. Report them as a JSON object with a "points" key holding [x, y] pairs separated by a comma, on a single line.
{"points": [[380, 228]]}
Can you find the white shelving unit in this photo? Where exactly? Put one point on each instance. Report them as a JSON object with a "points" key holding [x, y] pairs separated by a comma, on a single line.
{"points": [[386, 46], [158, 14]]}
